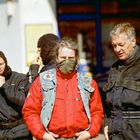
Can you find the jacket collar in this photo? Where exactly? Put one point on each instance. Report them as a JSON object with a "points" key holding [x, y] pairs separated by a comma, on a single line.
{"points": [[65, 76]]}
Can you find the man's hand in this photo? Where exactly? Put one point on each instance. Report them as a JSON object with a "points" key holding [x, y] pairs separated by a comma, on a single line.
{"points": [[83, 135], [106, 132], [37, 60], [2, 80], [49, 136]]}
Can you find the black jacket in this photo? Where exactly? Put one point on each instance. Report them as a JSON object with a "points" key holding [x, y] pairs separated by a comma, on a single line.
{"points": [[12, 97], [123, 97]]}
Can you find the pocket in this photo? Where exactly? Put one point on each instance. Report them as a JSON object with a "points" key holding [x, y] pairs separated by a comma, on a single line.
{"points": [[131, 84], [48, 92], [131, 129], [46, 87], [80, 111], [59, 100], [20, 131], [108, 86], [136, 125], [133, 125]]}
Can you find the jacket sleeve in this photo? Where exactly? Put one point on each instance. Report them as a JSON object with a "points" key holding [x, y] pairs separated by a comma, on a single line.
{"points": [[96, 111], [32, 108], [33, 72], [14, 90], [30, 77]]}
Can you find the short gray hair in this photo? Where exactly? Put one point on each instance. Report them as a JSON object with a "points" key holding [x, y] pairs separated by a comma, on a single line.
{"points": [[124, 27]]}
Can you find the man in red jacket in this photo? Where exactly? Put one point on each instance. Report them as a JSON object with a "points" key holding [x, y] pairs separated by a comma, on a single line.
{"points": [[62, 103]]}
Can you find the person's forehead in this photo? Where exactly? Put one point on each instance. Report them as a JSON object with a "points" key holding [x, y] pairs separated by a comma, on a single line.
{"points": [[120, 37], [66, 51], [1, 60]]}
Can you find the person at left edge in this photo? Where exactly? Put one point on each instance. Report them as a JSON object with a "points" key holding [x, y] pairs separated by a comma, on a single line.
{"points": [[62, 103], [12, 97]]}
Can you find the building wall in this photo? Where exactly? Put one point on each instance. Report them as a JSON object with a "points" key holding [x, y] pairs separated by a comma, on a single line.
{"points": [[14, 39], [9, 35]]}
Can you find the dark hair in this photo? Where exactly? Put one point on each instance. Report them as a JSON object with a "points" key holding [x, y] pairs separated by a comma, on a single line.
{"points": [[7, 70], [3, 57], [47, 44]]}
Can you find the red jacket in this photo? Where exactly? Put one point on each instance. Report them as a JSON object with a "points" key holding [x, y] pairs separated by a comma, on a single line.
{"points": [[68, 109]]}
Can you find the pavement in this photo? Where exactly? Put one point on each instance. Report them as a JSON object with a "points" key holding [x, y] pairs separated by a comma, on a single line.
{"points": [[100, 137]]}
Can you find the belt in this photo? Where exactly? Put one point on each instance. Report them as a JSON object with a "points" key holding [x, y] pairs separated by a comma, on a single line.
{"points": [[131, 114], [11, 124]]}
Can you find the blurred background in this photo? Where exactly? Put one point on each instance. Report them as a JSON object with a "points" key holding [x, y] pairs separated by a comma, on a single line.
{"points": [[22, 22]]}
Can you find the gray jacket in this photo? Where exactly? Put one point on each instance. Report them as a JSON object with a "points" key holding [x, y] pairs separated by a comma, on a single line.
{"points": [[123, 94]]}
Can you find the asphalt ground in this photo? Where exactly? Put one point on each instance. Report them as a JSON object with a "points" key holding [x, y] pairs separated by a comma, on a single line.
{"points": [[100, 137]]}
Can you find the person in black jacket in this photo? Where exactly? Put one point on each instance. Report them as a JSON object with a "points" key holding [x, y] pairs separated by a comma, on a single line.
{"points": [[12, 97], [122, 121]]}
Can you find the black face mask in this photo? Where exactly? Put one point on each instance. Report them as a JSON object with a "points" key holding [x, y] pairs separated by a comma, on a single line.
{"points": [[67, 66]]}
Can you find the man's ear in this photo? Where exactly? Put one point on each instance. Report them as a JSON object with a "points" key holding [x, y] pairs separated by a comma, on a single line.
{"points": [[134, 42], [57, 59]]}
